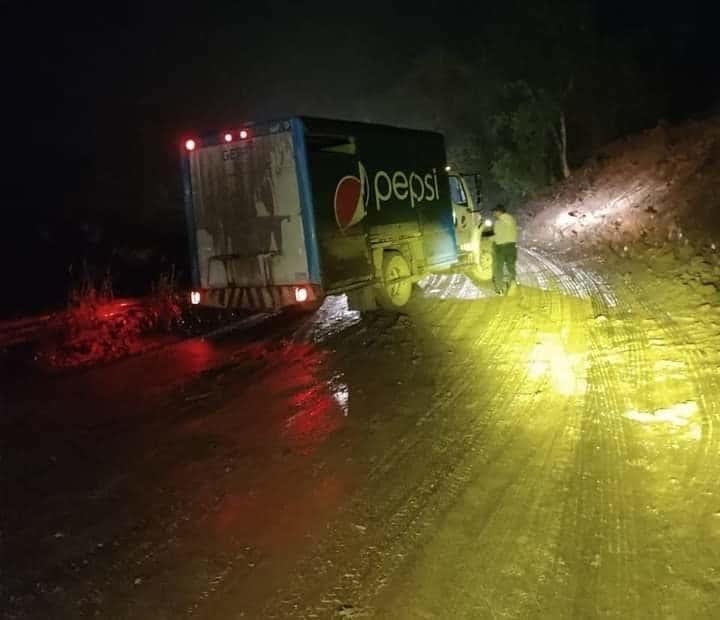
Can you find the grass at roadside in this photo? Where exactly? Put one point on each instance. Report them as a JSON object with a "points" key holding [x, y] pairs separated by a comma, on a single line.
{"points": [[97, 328]]}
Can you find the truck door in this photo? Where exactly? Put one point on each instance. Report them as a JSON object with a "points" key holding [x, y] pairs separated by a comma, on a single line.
{"points": [[246, 214], [464, 217]]}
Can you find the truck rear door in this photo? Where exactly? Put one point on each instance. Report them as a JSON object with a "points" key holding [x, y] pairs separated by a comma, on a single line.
{"points": [[245, 211]]}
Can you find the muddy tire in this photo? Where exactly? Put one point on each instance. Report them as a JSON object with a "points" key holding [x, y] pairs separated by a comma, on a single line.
{"points": [[397, 287], [483, 270]]}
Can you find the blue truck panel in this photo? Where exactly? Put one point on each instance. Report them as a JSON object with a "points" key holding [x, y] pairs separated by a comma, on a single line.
{"points": [[307, 208], [190, 219]]}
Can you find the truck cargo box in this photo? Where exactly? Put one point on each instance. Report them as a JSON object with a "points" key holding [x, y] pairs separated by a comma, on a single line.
{"points": [[291, 210]]}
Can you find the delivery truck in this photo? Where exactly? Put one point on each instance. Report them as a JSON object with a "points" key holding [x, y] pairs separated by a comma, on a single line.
{"points": [[286, 212]]}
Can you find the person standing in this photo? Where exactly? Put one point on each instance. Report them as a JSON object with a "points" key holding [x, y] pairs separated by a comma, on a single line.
{"points": [[505, 250]]}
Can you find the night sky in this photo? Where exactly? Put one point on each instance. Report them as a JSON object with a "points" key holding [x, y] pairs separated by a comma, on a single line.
{"points": [[108, 93]]}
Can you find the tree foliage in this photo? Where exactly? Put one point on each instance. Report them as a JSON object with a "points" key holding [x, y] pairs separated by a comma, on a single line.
{"points": [[527, 96]]}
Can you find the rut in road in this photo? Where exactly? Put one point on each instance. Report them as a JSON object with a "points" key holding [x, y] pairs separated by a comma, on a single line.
{"points": [[524, 487], [407, 517], [600, 540], [693, 472], [399, 505], [525, 556]]}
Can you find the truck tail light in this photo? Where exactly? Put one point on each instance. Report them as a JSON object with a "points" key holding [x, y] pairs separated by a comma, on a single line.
{"points": [[244, 134], [228, 137], [195, 298], [301, 294], [190, 144]]}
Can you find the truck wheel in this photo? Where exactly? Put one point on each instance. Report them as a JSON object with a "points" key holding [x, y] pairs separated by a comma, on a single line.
{"points": [[396, 288], [484, 267]]}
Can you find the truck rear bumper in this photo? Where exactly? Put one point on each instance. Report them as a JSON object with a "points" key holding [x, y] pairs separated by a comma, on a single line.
{"points": [[260, 298]]}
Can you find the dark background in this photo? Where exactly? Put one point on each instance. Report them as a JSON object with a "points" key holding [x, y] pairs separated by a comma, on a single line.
{"points": [[99, 98]]}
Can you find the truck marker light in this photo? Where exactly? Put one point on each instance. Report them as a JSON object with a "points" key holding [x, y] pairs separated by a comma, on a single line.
{"points": [[195, 298], [488, 223], [301, 294], [448, 168], [190, 145], [243, 134], [228, 137]]}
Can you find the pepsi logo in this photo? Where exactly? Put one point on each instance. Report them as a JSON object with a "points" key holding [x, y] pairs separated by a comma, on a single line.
{"points": [[351, 199], [352, 193]]}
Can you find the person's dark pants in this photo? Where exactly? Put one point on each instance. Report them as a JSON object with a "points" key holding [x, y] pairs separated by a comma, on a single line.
{"points": [[505, 256]]}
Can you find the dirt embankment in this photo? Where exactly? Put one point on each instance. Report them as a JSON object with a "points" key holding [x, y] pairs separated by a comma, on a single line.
{"points": [[652, 188]]}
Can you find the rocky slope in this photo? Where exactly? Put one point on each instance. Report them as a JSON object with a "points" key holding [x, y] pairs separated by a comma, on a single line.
{"points": [[659, 186]]}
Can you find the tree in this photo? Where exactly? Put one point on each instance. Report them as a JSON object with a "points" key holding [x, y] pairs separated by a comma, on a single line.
{"points": [[533, 58]]}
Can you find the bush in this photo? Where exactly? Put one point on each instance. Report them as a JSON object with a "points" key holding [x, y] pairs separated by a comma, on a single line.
{"points": [[97, 328], [164, 310]]}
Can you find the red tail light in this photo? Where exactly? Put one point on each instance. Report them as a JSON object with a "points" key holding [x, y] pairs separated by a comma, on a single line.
{"points": [[244, 134], [228, 137], [190, 145], [301, 294]]}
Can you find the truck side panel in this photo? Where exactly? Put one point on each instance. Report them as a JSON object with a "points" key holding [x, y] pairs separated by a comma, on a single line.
{"points": [[438, 228], [344, 250], [378, 187], [307, 208], [190, 220]]}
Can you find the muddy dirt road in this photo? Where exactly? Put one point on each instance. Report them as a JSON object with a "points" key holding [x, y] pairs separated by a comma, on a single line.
{"points": [[549, 455]]}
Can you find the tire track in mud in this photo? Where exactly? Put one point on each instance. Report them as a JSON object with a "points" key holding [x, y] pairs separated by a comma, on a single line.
{"points": [[457, 386], [702, 472], [561, 448], [525, 522], [309, 331], [432, 497], [707, 384], [608, 538], [409, 508], [600, 519], [654, 551], [606, 497], [462, 472], [695, 488]]}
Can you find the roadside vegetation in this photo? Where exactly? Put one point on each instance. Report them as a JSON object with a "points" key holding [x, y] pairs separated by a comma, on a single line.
{"points": [[97, 327]]}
